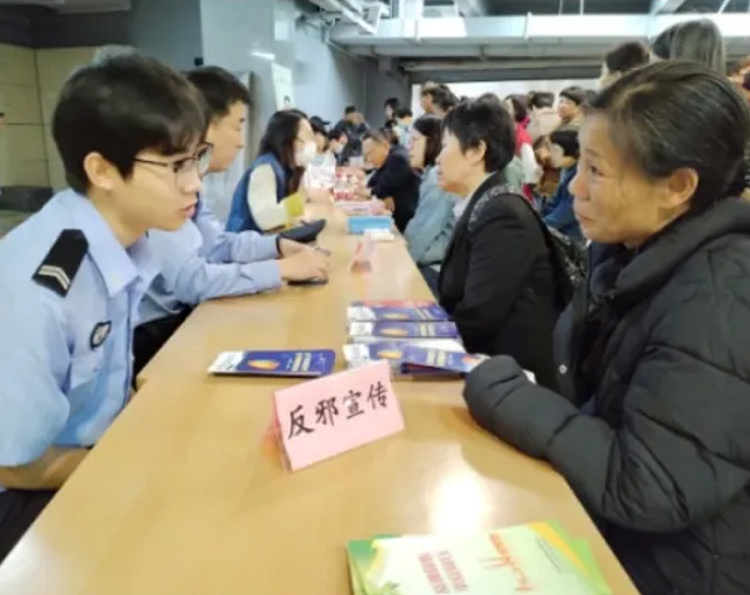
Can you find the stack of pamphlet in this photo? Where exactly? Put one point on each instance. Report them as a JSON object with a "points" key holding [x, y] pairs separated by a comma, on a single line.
{"points": [[415, 337], [538, 558]]}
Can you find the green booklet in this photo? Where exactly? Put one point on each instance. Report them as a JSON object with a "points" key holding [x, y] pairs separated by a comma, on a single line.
{"points": [[539, 558]]}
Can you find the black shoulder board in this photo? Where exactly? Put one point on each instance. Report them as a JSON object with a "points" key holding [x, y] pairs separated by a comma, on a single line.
{"points": [[59, 267]]}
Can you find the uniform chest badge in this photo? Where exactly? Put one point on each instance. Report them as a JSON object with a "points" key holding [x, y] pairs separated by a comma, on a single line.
{"points": [[100, 334]]}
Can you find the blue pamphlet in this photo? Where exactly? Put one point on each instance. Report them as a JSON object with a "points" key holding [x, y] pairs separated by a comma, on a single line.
{"points": [[294, 363], [402, 331], [416, 359], [396, 311]]}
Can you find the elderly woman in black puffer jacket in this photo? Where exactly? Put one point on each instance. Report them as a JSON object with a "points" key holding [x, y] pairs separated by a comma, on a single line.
{"points": [[652, 429]]}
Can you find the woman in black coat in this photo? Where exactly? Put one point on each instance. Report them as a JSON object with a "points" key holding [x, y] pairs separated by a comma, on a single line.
{"points": [[652, 430], [394, 181], [496, 281]]}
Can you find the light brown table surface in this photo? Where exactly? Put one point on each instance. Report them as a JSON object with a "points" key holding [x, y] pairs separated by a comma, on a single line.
{"points": [[187, 495]]}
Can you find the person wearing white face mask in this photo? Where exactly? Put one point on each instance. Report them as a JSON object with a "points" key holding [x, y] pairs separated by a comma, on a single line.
{"points": [[269, 194], [321, 173], [199, 261]]}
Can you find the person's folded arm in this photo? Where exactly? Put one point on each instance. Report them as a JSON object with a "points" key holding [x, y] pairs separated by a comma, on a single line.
{"points": [[34, 363], [267, 211], [502, 255], [197, 280], [48, 472], [221, 246], [429, 233], [192, 279], [677, 459]]}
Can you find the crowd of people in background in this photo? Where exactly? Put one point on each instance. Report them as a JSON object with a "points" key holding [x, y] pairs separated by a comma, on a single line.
{"points": [[494, 195], [598, 239]]}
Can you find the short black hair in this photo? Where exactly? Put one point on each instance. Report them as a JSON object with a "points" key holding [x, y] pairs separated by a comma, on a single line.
{"points": [[121, 106], [520, 106], [392, 102], [627, 56], [350, 109], [403, 112], [220, 89], [442, 96], [567, 138], [431, 127], [575, 94], [540, 99], [491, 97], [473, 122]]}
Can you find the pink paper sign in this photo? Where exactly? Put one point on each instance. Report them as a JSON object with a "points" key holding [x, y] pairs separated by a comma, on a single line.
{"points": [[364, 254], [331, 415]]}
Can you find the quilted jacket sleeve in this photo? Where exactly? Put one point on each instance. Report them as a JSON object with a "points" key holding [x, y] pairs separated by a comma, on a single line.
{"points": [[682, 452]]}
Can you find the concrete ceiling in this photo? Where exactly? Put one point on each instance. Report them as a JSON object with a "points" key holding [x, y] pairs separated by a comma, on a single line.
{"points": [[522, 7], [516, 39]]}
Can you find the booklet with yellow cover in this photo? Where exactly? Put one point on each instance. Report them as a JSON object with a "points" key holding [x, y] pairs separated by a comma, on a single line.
{"points": [[539, 558]]}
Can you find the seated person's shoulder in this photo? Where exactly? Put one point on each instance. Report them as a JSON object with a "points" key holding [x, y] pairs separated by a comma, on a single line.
{"points": [[40, 256], [501, 204]]}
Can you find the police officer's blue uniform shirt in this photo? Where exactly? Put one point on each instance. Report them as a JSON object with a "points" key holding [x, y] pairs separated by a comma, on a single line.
{"points": [[69, 296], [201, 261]]}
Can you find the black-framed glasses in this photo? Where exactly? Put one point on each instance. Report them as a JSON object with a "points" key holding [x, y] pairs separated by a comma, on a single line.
{"points": [[184, 168]]}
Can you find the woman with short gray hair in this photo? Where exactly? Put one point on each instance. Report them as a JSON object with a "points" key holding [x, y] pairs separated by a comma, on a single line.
{"points": [[697, 41], [651, 428]]}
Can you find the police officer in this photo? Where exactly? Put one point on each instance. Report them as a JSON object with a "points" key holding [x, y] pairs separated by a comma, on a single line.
{"points": [[128, 130], [201, 261]]}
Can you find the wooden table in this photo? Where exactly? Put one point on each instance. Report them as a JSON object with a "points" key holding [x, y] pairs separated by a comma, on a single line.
{"points": [[299, 317], [187, 495]]}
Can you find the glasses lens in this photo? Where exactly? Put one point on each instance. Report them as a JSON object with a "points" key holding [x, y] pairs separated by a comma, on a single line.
{"points": [[204, 159]]}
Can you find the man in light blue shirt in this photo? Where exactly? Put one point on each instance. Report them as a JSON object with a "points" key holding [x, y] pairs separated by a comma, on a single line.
{"points": [[201, 261], [73, 274]]}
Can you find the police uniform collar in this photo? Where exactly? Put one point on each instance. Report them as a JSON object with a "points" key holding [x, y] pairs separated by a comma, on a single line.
{"points": [[119, 266]]}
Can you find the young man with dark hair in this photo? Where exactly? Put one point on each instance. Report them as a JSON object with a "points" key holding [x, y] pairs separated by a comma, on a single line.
{"points": [[438, 100], [129, 133], [201, 261], [624, 58], [354, 127]]}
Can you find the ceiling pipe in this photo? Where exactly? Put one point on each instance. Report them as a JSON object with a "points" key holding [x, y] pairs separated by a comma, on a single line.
{"points": [[665, 6], [545, 29], [337, 8]]}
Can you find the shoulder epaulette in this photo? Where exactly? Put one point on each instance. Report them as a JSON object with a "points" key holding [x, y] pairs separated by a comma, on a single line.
{"points": [[60, 266]]}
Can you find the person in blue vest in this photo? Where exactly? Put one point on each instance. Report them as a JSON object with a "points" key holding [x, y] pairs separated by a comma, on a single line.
{"points": [[201, 261], [74, 273], [558, 212], [269, 195]]}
